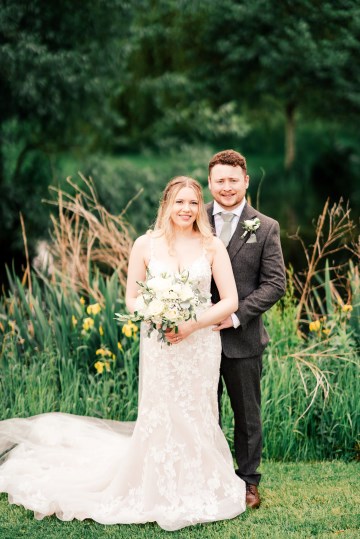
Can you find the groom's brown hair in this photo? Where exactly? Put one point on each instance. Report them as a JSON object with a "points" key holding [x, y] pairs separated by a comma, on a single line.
{"points": [[228, 157]]}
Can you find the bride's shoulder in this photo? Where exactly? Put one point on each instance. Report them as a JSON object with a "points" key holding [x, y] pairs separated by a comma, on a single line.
{"points": [[214, 244], [215, 249], [142, 246], [142, 241], [145, 244]]}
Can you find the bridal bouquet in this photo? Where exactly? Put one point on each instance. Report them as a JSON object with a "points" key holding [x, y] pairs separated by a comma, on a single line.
{"points": [[164, 301]]}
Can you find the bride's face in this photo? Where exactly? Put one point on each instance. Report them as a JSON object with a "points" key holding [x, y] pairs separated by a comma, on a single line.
{"points": [[185, 208]]}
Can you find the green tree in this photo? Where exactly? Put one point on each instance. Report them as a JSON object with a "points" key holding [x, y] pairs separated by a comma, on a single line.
{"points": [[187, 60], [59, 63], [163, 100], [299, 56]]}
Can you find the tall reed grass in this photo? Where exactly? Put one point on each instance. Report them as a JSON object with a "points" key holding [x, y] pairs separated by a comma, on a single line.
{"points": [[48, 363], [61, 349]]}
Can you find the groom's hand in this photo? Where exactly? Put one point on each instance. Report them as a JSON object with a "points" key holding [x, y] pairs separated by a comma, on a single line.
{"points": [[224, 324]]}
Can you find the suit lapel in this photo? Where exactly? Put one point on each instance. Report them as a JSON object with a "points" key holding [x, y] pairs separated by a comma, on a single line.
{"points": [[209, 210], [237, 241]]}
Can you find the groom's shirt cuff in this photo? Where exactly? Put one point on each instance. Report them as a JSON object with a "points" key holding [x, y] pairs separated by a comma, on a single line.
{"points": [[235, 320]]}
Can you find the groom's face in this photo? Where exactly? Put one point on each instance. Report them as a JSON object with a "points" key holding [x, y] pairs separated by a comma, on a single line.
{"points": [[228, 185]]}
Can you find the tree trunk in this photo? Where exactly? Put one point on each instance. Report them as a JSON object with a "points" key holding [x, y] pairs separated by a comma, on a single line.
{"points": [[289, 136]]}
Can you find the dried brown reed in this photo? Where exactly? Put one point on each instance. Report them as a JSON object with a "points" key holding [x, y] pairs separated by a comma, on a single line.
{"points": [[85, 237], [27, 272], [332, 232], [309, 358]]}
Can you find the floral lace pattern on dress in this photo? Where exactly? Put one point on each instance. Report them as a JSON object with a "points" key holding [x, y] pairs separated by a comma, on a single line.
{"points": [[175, 468]]}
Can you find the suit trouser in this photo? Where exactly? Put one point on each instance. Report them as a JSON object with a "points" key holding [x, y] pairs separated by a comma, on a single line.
{"points": [[242, 380]]}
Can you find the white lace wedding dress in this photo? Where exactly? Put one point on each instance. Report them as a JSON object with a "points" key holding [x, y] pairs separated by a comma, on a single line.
{"points": [[173, 466]]}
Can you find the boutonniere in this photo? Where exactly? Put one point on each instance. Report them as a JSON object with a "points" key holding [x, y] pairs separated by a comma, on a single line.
{"points": [[250, 225]]}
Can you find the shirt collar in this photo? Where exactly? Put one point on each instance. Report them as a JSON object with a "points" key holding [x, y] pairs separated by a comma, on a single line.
{"points": [[237, 211]]}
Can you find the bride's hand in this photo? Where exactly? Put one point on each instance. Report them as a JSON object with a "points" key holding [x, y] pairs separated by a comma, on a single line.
{"points": [[184, 330]]}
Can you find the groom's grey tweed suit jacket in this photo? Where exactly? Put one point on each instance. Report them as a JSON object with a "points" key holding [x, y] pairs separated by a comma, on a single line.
{"points": [[260, 279]]}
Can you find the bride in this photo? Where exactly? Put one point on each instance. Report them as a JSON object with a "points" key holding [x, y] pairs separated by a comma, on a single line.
{"points": [[174, 466]]}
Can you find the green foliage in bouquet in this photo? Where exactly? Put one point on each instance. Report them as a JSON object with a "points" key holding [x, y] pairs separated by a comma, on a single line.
{"points": [[164, 301]]}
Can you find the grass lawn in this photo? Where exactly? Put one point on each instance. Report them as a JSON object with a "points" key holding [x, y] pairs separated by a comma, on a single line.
{"points": [[300, 500]]}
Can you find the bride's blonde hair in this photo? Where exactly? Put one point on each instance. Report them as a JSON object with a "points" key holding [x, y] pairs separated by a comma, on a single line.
{"points": [[164, 222]]}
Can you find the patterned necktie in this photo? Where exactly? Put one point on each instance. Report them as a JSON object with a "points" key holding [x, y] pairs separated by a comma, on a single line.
{"points": [[225, 233]]}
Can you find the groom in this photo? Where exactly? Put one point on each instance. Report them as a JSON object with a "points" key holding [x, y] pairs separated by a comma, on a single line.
{"points": [[253, 243]]}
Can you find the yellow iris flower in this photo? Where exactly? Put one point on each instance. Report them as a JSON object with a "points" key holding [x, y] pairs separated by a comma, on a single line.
{"points": [[129, 329], [88, 324], [103, 352], [93, 309], [99, 366], [314, 326], [107, 366]]}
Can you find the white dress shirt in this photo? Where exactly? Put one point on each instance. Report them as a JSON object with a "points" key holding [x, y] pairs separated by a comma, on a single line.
{"points": [[217, 211]]}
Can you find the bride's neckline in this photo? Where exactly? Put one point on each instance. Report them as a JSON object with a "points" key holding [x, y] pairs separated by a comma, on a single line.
{"points": [[167, 264], [168, 267]]}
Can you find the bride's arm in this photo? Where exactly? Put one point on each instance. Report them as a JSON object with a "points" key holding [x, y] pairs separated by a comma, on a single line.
{"points": [[224, 279], [225, 282], [136, 271]]}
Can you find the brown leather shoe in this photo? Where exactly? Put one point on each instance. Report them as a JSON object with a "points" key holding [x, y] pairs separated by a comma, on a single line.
{"points": [[252, 496]]}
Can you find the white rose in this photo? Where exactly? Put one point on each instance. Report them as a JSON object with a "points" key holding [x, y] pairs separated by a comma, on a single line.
{"points": [[155, 308], [186, 293], [140, 304], [172, 314], [159, 284], [177, 288], [168, 294], [252, 224]]}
